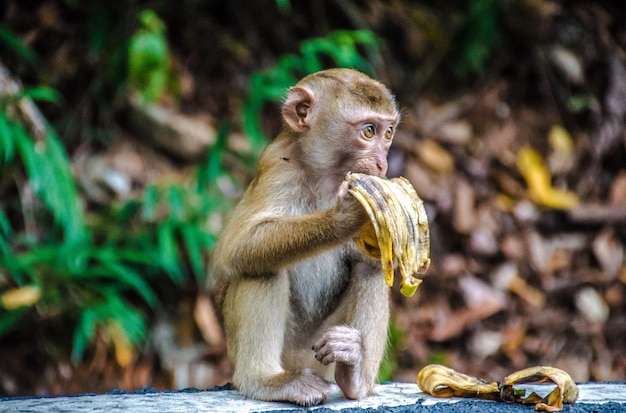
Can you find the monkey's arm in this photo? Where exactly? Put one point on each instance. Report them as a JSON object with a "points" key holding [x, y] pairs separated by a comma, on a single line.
{"points": [[262, 245]]}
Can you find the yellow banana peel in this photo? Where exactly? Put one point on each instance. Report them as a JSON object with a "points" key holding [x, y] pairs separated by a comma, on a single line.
{"points": [[398, 228], [441, 381]]}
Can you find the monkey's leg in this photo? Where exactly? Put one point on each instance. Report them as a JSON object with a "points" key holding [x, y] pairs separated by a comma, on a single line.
{"points": [[256, 342], [357, 334]]}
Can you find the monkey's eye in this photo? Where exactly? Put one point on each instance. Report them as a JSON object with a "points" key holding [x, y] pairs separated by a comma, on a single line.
{"points": [[369, 132], [389, 132]]}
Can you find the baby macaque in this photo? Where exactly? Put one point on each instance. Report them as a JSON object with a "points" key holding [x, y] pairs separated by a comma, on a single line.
{"points": [[301, 306]]}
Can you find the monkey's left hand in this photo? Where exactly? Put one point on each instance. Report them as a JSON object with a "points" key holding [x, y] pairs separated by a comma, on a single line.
{"points": [[341, 344]]}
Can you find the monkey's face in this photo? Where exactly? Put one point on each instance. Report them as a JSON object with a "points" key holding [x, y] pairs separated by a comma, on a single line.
{"points": [[371, 138], [344, 122]]}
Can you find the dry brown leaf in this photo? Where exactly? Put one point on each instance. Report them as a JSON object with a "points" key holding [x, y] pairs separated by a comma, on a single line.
{"points": [[435, 157], [609, 251], [206, 319], [617, 193], [464, 218], [506, 276]]}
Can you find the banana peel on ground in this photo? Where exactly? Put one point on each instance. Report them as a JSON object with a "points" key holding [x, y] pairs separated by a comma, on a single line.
{"points": [[398, 228], [441, 381]]}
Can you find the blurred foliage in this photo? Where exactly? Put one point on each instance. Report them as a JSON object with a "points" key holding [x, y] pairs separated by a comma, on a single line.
{"points": [[15, 43], [479, 36], [103, 269], [149, 59], [96, 270]]}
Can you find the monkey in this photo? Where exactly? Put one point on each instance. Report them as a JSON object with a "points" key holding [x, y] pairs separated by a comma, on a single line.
{"points": [[301, 306]]}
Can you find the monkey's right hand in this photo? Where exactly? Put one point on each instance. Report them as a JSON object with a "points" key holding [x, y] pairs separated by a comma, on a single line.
{"points": [[349, 213]]}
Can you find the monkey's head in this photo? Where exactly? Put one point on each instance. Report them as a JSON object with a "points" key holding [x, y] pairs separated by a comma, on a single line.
{"points": [[342, 121]]}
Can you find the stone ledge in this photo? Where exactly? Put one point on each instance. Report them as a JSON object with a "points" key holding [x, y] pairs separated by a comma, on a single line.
{"points": [[389, 398]]}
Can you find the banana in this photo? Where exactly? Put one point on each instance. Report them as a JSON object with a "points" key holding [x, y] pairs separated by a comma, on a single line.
{"points": [[398, 228]]}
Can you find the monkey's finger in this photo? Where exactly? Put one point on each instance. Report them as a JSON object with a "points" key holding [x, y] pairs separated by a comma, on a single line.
{"points": [[342, 352], [349, 358]]}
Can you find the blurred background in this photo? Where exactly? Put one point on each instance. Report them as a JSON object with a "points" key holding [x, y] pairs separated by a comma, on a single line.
{"points": [[129, 129]]}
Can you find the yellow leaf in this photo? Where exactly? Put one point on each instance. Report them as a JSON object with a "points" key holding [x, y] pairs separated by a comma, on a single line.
{"points": [[121, 344], [535, 172], [26, 296], [560, 140]]}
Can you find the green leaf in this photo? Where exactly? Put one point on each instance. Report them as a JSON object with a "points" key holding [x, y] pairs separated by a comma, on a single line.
{"points": [[83, 333], [7, 146], [168, 252], [42, 93], [150, 201], [192, 236], [5, 226], [125, 275], [176, 203], [208, 175], [8, 319], [283, 5], [19, 47], [62, 195]]}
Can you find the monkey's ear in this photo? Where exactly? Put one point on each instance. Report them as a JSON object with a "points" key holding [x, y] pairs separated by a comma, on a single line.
{"points": [[298, 108]]}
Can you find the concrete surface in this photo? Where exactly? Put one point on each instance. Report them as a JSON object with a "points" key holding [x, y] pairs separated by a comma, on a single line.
{"points": [[390, 398]]}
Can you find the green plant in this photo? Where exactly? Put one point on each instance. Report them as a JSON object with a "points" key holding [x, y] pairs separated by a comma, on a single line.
{"points": [[270, 85], [149, 58], [15, 43], [54, 254], [478, 37], [98, 271]]}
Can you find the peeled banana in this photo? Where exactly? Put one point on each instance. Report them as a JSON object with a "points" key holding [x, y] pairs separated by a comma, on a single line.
{"points": [[398, 227]]}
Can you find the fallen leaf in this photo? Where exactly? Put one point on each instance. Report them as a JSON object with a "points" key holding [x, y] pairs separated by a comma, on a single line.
{"points": [[435, 157], [206, 319], [591, 305], [609, 251], [121, 344], [561, 158], [26, 296], [534, 171]]}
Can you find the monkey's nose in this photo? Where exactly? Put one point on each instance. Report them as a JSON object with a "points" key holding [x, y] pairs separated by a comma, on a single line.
{"points": [[382, 167]]}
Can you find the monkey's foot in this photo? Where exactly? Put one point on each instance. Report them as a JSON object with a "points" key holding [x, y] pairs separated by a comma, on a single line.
{"points": [[306, 390], [303, 388]]}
